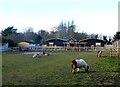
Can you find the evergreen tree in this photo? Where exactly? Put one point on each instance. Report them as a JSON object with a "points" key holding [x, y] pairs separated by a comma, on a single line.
{"points": [[117, 36]]}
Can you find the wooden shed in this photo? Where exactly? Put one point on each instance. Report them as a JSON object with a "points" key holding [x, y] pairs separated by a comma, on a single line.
{"points": [[55, 42], [93, 42]]}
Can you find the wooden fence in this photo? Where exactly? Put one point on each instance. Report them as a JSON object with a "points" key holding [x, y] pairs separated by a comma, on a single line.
{"points": [[114, 52], [53, 48]]}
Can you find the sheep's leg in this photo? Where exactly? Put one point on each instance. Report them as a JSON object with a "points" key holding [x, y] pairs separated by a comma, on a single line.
{"points": [[97, 54], [78, 69], [86, 68], [73, 71], [72, 68]]}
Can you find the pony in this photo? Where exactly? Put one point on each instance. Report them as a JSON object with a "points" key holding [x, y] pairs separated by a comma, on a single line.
{"points": [[77, 64]]}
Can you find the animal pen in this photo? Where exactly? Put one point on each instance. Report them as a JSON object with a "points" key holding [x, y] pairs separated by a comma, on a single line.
{"points": [[79, 46], [115, 51]]}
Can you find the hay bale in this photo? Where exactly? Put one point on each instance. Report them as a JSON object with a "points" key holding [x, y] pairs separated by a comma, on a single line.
{"points": [[23, 44]]}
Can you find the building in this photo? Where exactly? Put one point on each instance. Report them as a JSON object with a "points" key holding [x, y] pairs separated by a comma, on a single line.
{"points": [[55, 42], [74, 44], [3, 46], [93, 42], [28, 46]]}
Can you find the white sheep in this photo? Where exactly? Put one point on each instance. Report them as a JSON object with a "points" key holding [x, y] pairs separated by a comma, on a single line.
{"points": [[36, 55]]}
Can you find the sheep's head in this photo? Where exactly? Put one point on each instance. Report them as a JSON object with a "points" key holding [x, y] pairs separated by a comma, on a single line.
{"points": [[87, 69], [73, 66]]}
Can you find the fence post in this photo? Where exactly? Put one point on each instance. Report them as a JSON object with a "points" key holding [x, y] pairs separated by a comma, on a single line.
{"points": [[118, 52], [110, 52]]}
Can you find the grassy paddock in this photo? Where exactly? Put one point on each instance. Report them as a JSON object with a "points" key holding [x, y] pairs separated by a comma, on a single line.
{"points": [[21, 69]]}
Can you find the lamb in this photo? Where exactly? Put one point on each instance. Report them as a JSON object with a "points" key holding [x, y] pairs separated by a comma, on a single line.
{"points": [[77, 64], [45, 53], [36, 55], [99, 53]]}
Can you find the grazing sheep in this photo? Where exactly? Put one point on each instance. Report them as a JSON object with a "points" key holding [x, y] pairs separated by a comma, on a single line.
{"points": [[99, 53], [36, 55], [46, 54], [77, 64]]}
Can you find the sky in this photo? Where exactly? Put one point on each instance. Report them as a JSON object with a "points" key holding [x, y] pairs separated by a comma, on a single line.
{"points": [[90, 16]]}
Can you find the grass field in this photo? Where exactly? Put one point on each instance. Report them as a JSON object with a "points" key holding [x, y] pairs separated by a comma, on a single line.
{"points": [[21, 69]]}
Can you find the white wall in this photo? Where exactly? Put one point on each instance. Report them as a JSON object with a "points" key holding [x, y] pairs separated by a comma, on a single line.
{"points": [[3, 46]]}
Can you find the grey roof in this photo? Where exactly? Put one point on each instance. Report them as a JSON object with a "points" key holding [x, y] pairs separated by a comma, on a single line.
{"points": [[58, 39], [89, 39]]}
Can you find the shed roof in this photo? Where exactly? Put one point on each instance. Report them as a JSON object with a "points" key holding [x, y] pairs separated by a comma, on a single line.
{"points": [[57, 39], [84, 40]]}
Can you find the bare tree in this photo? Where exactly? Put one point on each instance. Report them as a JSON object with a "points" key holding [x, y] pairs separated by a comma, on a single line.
{"points": [[71, 30], [44, 35], [29, 35]]}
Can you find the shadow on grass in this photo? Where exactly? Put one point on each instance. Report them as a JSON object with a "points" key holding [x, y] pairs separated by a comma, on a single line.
{"points": [[116, 71], [104, 56]]}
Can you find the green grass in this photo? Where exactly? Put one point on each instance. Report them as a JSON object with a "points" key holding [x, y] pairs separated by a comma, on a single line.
{"points": [[21, 69]]}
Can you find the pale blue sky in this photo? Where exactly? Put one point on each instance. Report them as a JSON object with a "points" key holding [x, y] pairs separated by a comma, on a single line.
{"points": [[91, 16]]}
